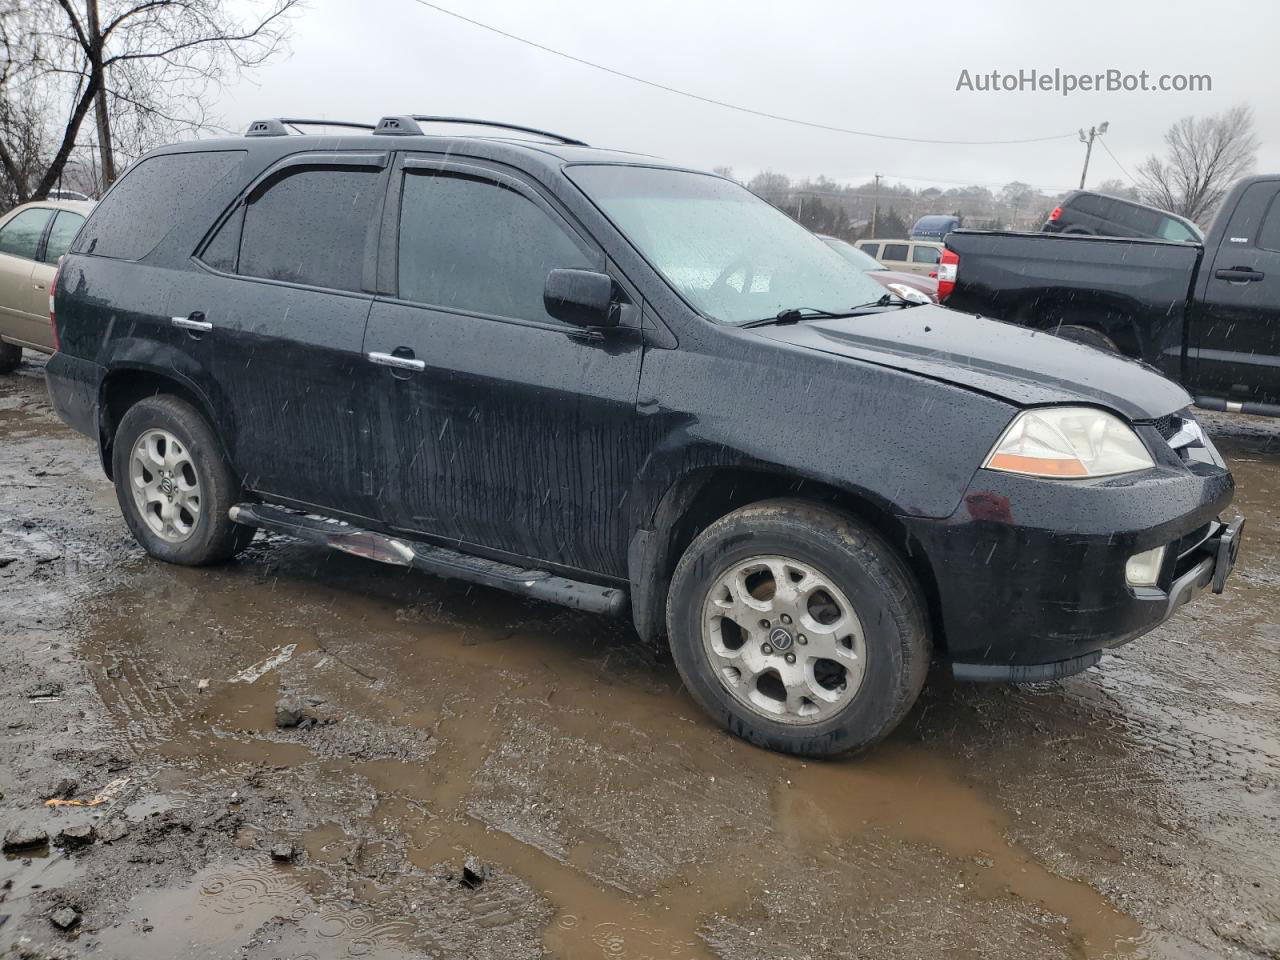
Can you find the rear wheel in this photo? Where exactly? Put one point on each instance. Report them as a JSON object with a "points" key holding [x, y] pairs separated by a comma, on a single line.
{"points": [[174, 485], [10, 357], [798, 629]]}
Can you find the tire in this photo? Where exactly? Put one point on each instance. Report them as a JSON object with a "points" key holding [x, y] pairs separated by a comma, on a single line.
{"points": [[882, 674], [1088, 336], [165, 436], [10, 357]]}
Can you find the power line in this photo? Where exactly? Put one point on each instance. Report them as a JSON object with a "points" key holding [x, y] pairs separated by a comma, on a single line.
{"points": [[1117, 162], [722, 103]]}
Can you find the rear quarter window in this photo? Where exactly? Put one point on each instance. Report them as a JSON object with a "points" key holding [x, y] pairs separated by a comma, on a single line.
{"points": [[153, 196], [1090, 204]]}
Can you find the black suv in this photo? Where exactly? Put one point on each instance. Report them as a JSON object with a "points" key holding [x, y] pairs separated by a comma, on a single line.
{"points": [[1102, 215], [597, 379]]}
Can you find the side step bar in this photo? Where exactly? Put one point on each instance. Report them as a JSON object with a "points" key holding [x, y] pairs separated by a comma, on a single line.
{"points": [[1254, 407], [437, 561]]}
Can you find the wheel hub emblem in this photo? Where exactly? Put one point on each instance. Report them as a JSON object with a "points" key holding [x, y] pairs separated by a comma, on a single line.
{"points": [[781, 638], [167, 487]]}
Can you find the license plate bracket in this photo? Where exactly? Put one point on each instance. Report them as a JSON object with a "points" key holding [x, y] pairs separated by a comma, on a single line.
{"points": [[1228, 549]]}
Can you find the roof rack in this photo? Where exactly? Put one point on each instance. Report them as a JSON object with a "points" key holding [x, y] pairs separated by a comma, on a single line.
{"points": [[394, 126], [499, 125], [277, 126]]}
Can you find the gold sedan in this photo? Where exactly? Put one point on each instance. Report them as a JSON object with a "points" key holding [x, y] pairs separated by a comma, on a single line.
{"points": [[32, 238]]}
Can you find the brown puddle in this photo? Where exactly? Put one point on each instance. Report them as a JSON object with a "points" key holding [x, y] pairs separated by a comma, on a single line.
{"points": [[424, 655], [914, 797]]}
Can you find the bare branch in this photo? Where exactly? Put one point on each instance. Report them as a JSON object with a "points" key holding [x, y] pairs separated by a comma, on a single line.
{"points": [[1205, 156]]}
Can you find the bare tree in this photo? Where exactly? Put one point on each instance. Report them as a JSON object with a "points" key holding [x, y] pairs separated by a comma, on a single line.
{"points": [[1115, 187], [1205, 156], [145, 68]]}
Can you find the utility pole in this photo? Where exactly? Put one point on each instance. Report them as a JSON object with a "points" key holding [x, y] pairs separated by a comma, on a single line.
{"points": [[100, 99], [1094, 132], [875, 206]]}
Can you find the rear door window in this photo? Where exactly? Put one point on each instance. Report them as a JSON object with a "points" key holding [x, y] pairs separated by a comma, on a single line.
{"points": [[1269, 235], [312, 225], [155, 195], [923, 254], [21, 236], [872, 249], [474, 244], [65, 227], [895, 251]]}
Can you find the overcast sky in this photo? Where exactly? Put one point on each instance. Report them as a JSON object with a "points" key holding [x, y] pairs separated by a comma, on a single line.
{"points": [[886, 67]]}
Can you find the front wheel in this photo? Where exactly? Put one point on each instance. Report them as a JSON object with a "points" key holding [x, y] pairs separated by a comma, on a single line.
{"points": [[174, 484], [798, 628]]}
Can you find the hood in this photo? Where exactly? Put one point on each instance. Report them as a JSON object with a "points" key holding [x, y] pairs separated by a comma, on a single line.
{"points": [[1024, 367]]}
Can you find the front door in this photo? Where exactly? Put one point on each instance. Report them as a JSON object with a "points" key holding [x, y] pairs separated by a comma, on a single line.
{"points": [[1234, 340], [501, 426]]}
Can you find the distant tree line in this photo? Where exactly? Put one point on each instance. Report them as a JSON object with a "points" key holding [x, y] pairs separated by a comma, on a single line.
{"points": [[1204, 157], [850, 211]]}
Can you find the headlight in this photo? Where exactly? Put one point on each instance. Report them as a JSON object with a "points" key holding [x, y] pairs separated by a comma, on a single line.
{"points": [[1069, 442]]}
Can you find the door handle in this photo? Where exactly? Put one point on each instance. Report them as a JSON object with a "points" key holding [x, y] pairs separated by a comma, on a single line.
{"points": [[1239, 274], [194, 321], [399, 363]]}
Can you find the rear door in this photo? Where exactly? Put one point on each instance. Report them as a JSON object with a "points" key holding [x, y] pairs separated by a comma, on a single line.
{"points": [[283, 299], [924, 258], [20, 238], [503, 427], [1234, 339], [896, 256]]}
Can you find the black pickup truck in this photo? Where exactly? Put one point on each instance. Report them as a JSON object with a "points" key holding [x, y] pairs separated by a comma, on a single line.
{"points": [[1206, 315]]}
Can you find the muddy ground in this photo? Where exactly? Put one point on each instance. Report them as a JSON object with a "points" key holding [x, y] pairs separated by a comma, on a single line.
{"points": [[1129, 811]]}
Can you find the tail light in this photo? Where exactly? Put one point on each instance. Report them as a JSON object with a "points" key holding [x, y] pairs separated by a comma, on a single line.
{"points": [[53, 320], [1057, 212], [947, 268]]}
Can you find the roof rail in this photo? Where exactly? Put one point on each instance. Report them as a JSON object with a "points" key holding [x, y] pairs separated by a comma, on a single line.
{"points": [[398, 127], [278, 126], [501, 126]]}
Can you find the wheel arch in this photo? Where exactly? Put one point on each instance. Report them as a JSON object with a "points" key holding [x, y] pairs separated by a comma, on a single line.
{"points": [[125, 385], [699, 498], [1113, 317]]}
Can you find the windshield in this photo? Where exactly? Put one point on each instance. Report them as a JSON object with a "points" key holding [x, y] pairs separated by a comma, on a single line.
{"points": [[733, 256], [859, 258]]}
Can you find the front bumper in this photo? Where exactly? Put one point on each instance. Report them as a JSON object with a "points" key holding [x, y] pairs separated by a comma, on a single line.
{"points": [[1030, 573]]}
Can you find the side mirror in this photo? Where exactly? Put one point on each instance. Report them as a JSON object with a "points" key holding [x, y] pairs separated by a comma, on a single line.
{"points": [[583, 298]]}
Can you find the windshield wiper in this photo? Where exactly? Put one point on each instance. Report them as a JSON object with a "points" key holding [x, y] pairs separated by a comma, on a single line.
{"points": [[796, 314]]}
